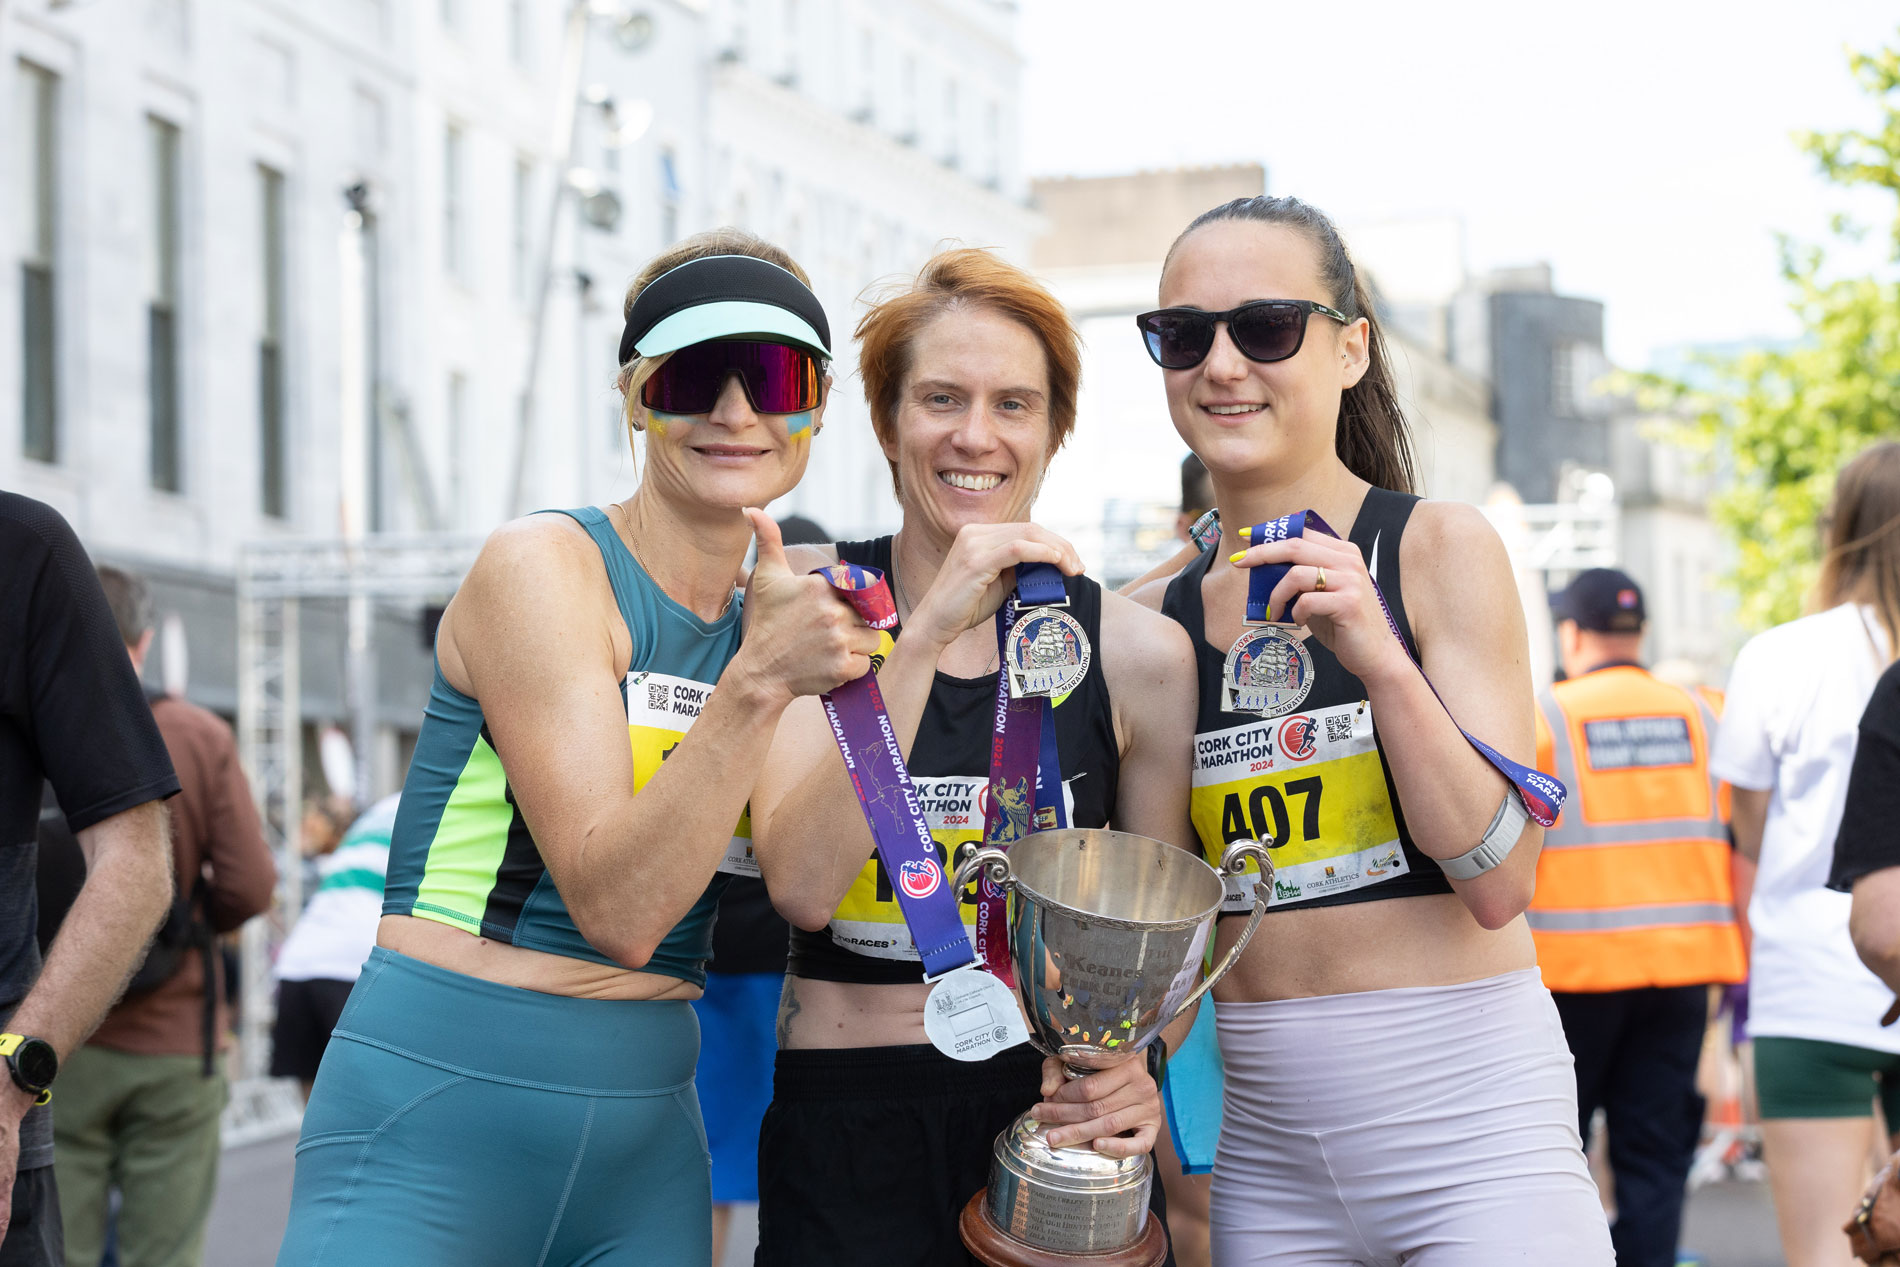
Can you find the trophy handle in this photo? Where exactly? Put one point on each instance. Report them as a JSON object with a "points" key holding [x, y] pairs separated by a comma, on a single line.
{"points": [[972, 861], [1231, 864]]}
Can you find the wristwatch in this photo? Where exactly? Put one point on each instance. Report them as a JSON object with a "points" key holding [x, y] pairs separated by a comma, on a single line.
{"points": [[1158, 1060], [33, 1064]]}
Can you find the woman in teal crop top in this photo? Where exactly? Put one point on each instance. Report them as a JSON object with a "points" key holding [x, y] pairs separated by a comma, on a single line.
{"points": [[511, 1080]]}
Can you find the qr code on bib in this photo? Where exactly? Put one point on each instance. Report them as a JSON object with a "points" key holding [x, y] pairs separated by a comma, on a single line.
{"points": [[656, 696], [1338, 729]]}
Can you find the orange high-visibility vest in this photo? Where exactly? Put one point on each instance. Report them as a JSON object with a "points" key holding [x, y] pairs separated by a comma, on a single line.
{"points": [[1633, 885]]}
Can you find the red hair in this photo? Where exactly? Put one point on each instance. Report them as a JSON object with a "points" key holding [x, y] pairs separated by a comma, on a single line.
{"points": [[966, 278]]}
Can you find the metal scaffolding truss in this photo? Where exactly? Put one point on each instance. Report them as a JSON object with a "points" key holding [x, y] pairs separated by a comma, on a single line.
{"points": [[272, 579]]}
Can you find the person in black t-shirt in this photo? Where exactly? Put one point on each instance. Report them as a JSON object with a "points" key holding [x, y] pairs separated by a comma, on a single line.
{"points": [[1867, 850], [72, 716]]}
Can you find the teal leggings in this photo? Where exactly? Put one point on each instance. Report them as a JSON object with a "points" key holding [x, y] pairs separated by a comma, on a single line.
{"points": [[459, 1122]]}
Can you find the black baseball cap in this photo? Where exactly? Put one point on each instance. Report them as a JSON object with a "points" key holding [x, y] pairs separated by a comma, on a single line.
{"points": [[1604, 600]]}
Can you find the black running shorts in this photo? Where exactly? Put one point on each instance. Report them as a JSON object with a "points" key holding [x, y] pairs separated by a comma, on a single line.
{"points": [[868, 1155]]}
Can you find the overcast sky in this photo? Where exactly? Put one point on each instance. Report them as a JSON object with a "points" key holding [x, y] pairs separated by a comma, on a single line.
{"points": [[1644, 149]]}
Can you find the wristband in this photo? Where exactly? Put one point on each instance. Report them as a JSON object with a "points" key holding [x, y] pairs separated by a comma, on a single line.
{"points": [[1499, 839], [1158, 1060]]}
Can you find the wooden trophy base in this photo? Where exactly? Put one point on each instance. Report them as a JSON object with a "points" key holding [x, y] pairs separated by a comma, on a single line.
{"points": [[996, 1247]]}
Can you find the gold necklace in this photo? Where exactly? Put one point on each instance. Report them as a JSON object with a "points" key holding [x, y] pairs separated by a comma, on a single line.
{"points": [[634, 548]]}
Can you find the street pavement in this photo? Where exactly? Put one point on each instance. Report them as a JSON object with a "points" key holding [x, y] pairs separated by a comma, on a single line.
{"points": [[1728, 1224]]}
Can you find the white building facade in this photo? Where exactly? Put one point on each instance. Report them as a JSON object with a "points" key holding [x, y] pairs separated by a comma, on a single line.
{"points": [[241, 228]]}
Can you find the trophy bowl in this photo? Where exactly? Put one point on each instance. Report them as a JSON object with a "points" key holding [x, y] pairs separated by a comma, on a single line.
{"points": [[1107, 934]]}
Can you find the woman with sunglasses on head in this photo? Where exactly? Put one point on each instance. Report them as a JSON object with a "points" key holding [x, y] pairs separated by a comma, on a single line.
{"points": [[875, 1139], [1398, 1087], [512, 1078]]}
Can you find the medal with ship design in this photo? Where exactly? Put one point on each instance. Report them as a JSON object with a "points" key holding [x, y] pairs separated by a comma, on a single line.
{"points": [[1268, 672], [1046, 653]]}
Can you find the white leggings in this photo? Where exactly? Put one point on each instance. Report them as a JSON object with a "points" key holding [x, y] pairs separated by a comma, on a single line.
{"points": [[1432, 1127]]}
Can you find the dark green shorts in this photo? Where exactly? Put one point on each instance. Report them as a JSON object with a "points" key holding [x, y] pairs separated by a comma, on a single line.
{"points": [[1802, 1077]]}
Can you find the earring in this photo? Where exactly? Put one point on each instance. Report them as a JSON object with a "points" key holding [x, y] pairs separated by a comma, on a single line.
{"points": [[817, 427]]}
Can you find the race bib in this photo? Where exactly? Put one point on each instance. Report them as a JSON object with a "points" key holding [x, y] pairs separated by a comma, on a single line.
{"points": [[661, 708], [1313, 782], [868, 920]]}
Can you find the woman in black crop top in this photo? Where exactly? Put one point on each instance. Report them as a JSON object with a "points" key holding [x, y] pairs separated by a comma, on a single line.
{"points": [[875, 1140], [1382, 1006]]}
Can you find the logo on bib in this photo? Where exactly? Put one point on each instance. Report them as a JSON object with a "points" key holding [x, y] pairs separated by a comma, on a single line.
{"points": [[1297, 736], [919, 877]]}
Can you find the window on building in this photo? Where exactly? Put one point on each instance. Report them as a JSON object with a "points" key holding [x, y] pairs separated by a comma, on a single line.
{"points": [[908, 88], [1563, 381], [37, 110], [161, 298], [993, 144], [737, 46], [952, 128], [790, 74], [519, 49], [273, 458], [524, 190], [669, 197], [458, 445], [454, 144]]}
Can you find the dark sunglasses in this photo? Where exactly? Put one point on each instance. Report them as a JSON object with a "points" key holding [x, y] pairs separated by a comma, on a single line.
{"points": [[776, 378], [1263, 330]]}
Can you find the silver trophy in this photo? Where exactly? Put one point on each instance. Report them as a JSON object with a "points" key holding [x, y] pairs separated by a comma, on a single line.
{"points": [[1107, 933]]}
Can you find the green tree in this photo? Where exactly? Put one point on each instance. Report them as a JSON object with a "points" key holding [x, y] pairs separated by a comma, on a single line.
{"points": [[1780, 423]]}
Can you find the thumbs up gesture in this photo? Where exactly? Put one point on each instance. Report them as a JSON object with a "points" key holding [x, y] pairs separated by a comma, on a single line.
{"points": [[801, 638]]}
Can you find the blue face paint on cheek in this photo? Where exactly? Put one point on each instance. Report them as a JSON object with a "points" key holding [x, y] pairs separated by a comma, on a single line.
{"points": [[798, 424]]}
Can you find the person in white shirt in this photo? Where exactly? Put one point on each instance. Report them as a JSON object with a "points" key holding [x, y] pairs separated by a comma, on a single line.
{"points": [[1785, 744], [321, 959]]}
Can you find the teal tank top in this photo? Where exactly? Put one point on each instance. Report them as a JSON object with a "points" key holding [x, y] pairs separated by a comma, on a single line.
{"points": [[460, 852]]}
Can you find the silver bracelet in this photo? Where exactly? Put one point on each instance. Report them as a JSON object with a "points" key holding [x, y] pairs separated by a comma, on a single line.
{"points": [[1499, 839]]}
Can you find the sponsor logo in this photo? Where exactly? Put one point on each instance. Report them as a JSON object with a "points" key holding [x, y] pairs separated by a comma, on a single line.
{"points": [[919, 877], [1284, 892], [1298, 736]]}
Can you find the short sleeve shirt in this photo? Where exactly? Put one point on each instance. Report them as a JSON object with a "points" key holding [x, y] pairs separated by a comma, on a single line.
{"points": [[72, 715], [1869, 839], [1795, 699]]}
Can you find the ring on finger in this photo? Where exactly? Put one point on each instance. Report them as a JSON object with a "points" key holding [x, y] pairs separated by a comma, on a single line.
{"points": [[1319, 578]]}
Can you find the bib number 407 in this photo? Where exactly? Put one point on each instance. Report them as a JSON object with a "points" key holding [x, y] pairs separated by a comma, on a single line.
{"points": [[1263, 812]]}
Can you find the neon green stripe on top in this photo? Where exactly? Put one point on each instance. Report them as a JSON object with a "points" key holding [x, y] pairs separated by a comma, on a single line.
{"points": [[469, 844]]}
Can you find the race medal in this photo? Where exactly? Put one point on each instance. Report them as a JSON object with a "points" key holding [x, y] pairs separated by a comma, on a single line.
{"points": [[1046, 653], [970, 1015], [1269, 672]]}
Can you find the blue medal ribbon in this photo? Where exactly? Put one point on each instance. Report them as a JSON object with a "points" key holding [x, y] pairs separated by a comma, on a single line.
{"points": [[874, 759], [1025, 789], [1543, 796]]}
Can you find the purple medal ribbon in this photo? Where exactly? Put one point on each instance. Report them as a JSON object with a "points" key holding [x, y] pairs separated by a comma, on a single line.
{"points": [[1025, 791], [875, 761], [1543, 795]]}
